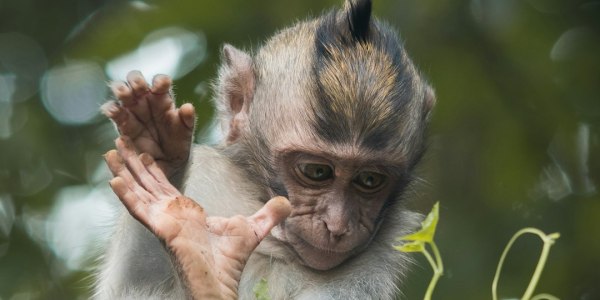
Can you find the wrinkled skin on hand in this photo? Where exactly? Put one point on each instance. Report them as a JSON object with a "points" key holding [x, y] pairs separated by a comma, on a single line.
{"points": [[209, 252], [148, 116]]}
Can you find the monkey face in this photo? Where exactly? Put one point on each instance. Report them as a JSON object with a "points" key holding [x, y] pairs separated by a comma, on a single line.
{"points": [[336, 204], [334, 118]]}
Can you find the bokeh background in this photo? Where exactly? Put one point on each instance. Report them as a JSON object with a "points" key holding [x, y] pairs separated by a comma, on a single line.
{"points": [[514, 140]]}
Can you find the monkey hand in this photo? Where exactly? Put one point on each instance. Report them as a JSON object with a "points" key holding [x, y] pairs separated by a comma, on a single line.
{"points": [[149, 117], [209, 252]]}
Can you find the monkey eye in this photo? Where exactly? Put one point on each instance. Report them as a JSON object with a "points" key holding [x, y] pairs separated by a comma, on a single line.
{"points": [[316, 172], [369, 181]]}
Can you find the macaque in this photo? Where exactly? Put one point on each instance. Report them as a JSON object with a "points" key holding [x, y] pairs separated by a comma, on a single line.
{"points": [[329, 113]]}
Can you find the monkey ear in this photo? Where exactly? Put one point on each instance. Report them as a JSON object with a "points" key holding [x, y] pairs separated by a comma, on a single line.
{"points": [[235, 91]]}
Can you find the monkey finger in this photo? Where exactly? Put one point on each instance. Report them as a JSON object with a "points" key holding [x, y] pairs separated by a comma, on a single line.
{"points": [[114, 162], [122, 92], [271, 214], [165, 189], [161, 84], [129, 155], [117, 167], [120, 171], [134, 165], [178, 128], [126, 123], [114, 111], [187, 114], [161, 103], [136, 206], [125, 147], [139, 107], [138, 84], [152, 167]]}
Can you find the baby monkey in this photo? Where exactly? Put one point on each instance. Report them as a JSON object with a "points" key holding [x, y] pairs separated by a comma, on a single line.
{"points": [[330, 113]]}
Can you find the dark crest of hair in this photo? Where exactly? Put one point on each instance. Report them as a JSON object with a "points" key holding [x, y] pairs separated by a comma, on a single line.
{"points": [[343, 28], [359, 19]]}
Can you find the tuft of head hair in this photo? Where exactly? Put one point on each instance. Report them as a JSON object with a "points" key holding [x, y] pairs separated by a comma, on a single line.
{"points": [[358, 16], [347, 26]]}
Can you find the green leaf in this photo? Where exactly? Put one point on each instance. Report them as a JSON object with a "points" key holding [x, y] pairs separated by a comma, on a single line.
{"points": [[261, 290], [414, 246], [427, 231]]}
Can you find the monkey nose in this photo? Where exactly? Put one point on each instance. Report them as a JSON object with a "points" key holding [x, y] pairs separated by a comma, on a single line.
{"points": [[337, 228]]}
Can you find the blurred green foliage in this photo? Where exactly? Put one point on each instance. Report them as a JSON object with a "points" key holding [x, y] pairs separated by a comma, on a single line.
{"points": [[514, 140]]}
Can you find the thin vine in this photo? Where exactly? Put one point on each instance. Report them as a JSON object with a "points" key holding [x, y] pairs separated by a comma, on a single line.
{"points": [[548, 240]]}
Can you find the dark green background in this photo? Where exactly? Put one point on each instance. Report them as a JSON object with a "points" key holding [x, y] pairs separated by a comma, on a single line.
{"points": [[514, 139]]}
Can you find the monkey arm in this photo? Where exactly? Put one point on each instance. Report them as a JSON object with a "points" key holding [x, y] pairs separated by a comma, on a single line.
{"points": [[147, 114], [208, 252]]}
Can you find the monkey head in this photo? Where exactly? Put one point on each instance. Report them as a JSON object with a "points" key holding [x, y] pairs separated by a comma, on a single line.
{"points": [[330, 113]]}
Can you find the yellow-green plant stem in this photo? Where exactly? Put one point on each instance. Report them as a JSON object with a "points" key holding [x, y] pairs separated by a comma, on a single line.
{"points": [[436, 265], [544, 297], [548, 241]]}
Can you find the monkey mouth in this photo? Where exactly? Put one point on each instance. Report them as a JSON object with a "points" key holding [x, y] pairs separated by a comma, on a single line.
{"points": [[314, 256], [334, 251]]}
